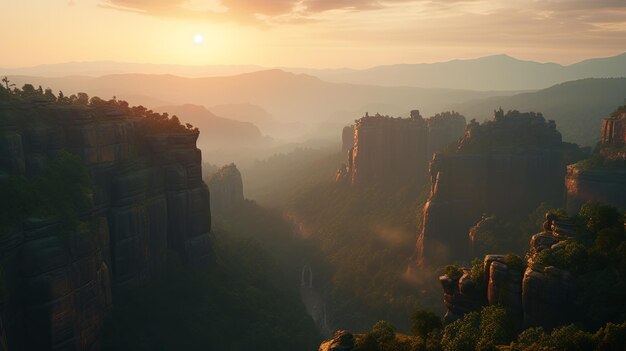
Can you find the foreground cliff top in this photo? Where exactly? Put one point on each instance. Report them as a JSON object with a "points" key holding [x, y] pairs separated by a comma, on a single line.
{"points": [[30, 105]]}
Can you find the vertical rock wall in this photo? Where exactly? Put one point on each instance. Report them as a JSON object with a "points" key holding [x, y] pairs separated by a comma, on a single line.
{"points": [[505, 167], [603, 177], [226, 188], [148, 201]]}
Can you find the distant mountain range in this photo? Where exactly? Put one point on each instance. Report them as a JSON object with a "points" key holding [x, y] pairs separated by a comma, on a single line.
{"points": [[297, 106], [217, 132], [577, 107], [498, 72], [288, 97]]}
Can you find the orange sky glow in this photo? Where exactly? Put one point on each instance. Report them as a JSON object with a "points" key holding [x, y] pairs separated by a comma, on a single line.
{"points": [[307, 33]]}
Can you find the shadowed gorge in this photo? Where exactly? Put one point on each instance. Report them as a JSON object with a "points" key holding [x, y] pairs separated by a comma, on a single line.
{"points": [[313, 175]]}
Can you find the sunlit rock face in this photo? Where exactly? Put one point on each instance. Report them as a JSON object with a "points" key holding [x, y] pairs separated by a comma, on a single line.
{"points": [[504, 167], [602, 178], [148, 202], [226, 188]]}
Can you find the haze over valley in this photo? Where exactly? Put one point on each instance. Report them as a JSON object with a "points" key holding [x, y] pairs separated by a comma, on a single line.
{"points": [[240, 175]]}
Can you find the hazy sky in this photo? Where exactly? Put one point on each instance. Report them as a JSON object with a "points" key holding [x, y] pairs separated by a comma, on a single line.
{"points": [[311, 33]]}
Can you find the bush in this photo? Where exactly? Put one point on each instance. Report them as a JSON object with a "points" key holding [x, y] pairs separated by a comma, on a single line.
{"points": [[424, 323], [462, 334]]}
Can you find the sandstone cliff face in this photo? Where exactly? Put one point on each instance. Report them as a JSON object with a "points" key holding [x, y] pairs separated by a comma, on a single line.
{"points": [[226, 188], [534, 296], [148, 200], [443, 129], [388, 149], [381, 149], [347, 139], [507, 166], [603, 177]]}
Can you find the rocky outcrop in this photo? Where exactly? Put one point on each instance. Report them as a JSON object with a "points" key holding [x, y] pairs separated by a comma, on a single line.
{"points": [[614, 128], [148, 201], [596, 185], [387, 150], [460, 294], [602, 178], [443, 129], [533, 295], [347, 139], [381, 149], [226, 188], [342, 341], [504, 167]]}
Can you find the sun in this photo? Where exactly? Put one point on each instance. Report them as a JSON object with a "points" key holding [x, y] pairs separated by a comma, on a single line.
{"points": [[198, 39]]}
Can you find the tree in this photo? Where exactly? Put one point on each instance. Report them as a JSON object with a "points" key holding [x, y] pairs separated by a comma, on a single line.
{"points": [[7, 84], [82, 99], [424, 322]]}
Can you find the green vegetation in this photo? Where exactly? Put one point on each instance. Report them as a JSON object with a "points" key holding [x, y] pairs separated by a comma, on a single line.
{"points": [[490, 329], [280, 178], [247, 300], [62, 191], [367, 236], [499, 235], [38, 98], [596, 257], [424, 323]]}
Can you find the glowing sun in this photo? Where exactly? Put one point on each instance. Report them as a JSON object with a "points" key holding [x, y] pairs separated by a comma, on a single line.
{"points": [[198, 39]]}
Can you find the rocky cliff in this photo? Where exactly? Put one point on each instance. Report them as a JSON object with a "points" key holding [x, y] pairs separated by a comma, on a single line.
{"points": [[506, 166], [226, 188], [147, 201], [502, 280], [443, 129], [560, 281], [382, 149], [347, 139], [387, 150], [602, 178]]}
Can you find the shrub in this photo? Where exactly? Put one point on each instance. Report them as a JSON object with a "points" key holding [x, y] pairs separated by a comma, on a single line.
{"points": [[424, 323]]}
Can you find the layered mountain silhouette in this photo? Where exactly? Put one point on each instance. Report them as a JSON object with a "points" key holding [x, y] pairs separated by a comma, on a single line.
{"points": [[497, 72]]}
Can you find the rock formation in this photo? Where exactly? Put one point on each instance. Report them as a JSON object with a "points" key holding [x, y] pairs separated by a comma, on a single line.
{"points": [[226, 189], [342, 341], [381, 149], [534, 296], [347, 139], [506, 166], [443, 129], [148, 201], [602, 178], [387, 150]]}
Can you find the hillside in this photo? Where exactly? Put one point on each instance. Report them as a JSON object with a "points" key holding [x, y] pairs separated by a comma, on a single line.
{"points": [[577, 106]]}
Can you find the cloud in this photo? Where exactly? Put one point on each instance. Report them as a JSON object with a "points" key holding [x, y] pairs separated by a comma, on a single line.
{"points": [[246, 11]]}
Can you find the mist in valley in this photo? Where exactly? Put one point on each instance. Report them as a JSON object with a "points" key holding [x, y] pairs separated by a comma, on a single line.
{"points": [[290, 178]]}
